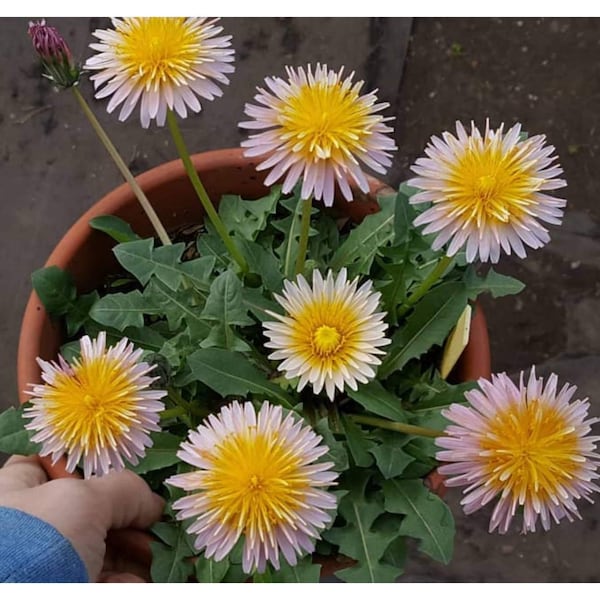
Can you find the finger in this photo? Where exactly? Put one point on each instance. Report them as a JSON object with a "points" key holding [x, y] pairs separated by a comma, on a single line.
{"points": [[127, 500], [112, 577], [20, 473]]}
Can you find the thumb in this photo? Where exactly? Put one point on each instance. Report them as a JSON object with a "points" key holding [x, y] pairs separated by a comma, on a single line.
{"points": [[126, 500]]}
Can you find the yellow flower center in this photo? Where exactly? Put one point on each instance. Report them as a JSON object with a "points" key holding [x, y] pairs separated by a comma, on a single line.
{"points": [[255, 482], [158, 50], [93, 407], [326, 332], [532, 451], [326, 340], [488, 184], [325, 121]]}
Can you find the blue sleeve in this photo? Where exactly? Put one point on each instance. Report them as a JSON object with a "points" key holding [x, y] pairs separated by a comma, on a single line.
{"points": [[32, 551]]}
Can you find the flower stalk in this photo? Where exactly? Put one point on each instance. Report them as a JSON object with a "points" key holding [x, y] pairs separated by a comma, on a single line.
{"points": [[125, 172], [201, 192], [426, 284], [397, 426], [304, 234]]}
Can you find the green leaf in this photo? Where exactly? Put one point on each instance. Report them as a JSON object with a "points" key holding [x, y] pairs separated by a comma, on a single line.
{"points": [[210, 244], [163, 453], [264, 263], [143, 261], [427, 518], [210, 571], [222, 336], [79, 312], [337, 450], [14, 438], [122, 310], [376, 399], [177, 307], [358, 539], [224, 303], [358, 443], [247, 218], [290, 227], [366, 239], [255, 301], [232, 374], [304, 572], [115, 227], [433, 318], [496, 284], [169, 563], [404, 215], [390, 458], [198, 271], [453, 394], [55, 289]]}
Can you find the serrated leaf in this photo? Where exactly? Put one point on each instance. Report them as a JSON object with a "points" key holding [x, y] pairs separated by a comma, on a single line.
{"points": [[378, 400], [232, 374], [264, 263], [337, 450], [433, 318], [162, 453], [290, 227], [304, 572], [177, 307], [255, 301], [366, 239], [404, 215], [79, 312], [198, 271], [14, 438], [496, 284], [426, 518], [222, 336], [115, 227], [390, 457], [224, 303], [357, 539], [55, 289], [143, 261], [209, 244], [169, 565], [122, 310], [247, 218], [211, 571], [358, 443], [453, 394]]}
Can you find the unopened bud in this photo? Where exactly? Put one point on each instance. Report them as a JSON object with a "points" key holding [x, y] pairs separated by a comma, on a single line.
{"points": [[55, 54]]}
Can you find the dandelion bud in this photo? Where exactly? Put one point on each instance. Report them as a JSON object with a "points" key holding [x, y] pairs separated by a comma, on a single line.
{"points": [[56, 57]]}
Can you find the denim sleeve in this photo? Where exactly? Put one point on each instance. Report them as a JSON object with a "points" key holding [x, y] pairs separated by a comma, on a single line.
{"points": [[32, 551]]}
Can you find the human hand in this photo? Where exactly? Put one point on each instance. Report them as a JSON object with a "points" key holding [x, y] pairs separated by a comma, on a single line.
{"points": [[83, 511]]}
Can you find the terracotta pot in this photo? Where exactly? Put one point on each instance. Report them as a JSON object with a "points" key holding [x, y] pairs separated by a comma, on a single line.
{"points": [[86, 255]]}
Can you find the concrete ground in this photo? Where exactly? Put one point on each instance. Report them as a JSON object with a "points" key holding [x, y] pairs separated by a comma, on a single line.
{"points": [[541, 72]]}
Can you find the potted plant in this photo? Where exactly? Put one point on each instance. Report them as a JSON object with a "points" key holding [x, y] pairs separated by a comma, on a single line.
{"points": [[276, 363]]}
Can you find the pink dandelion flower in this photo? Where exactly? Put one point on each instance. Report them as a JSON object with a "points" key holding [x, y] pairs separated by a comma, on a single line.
{"points": [[331, 334], [525, 446], [167, 62], [318, 127], [98, 409], [255, 476], [488, 192]]}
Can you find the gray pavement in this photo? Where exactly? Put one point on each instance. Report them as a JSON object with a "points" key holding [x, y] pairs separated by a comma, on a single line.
{"points": [[542, 72]]}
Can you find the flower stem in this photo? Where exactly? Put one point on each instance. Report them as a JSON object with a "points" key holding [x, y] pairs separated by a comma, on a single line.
{"points": [[304, 231], [127, 175], [426, 284], [201, 192], [397, 426], [169, 413]]}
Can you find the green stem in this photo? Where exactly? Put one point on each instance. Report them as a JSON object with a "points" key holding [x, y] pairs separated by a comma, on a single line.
{"points": [[127, 175], [169, 413], [397, 426], [304, 231], [426, 284], [201, 192]]}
